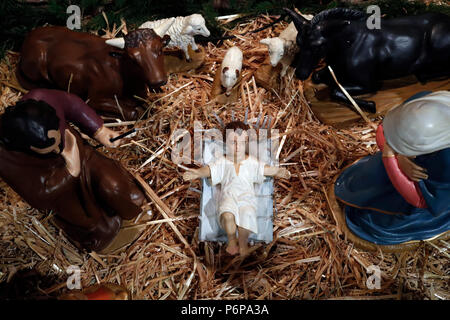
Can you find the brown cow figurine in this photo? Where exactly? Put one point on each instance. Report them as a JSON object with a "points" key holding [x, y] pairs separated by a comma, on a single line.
{"points": [[107, 73]]}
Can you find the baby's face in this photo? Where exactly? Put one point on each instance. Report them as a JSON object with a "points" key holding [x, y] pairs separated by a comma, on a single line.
{"points": [[236, 142]]}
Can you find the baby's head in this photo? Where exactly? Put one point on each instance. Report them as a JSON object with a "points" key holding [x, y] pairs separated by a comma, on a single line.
{"points": [[235, 135]]}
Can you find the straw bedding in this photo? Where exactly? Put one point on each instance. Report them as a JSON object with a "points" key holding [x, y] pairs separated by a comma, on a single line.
{"points": [[309, 257]]}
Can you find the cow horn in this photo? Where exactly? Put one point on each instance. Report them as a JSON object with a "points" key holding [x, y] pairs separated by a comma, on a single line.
{"points": [[116, 42], [162, 29], [299, 21]]}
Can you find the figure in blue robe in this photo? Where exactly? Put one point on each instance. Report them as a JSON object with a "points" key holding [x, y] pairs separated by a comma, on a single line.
{"points": [[374, 210]]}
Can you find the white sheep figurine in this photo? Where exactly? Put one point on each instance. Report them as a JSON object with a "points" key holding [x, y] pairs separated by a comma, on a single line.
{"points": [[282, 49], [230, 69], [182, 31]]}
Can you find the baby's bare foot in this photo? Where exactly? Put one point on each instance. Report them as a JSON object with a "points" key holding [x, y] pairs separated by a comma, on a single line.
{"points": [[243, 251], [232, 247]]}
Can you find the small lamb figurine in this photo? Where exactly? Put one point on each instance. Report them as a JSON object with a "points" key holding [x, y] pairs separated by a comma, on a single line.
{"points": [[230, 69], [282, 49], [182, 31]]}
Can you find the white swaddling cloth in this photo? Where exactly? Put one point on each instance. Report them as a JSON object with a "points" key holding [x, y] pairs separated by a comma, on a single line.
{"points": [[210, 229], [238, 191]]}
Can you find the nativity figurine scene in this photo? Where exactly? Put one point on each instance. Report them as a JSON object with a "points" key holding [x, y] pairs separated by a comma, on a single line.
{"points": [[401, 195], [89, 125]]}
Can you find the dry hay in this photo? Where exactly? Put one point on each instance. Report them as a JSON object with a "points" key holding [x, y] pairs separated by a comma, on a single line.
{"points": [[309, 257]]}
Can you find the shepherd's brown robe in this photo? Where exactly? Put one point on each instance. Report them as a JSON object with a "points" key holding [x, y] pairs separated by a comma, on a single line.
{"points": [[90, 207]]}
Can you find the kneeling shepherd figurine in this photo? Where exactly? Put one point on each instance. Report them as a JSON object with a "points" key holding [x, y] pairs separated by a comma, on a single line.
{"points": [[50, 166]]}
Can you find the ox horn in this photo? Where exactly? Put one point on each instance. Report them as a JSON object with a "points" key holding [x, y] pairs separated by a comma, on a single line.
{"points": [[299, 21], [116, 42], [162, 29]]}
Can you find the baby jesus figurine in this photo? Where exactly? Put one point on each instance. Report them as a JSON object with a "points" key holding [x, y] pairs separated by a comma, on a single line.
{"points": [[237, 172]]}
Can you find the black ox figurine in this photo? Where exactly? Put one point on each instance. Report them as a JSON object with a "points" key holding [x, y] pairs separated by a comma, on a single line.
{"points": [[362, 58]]}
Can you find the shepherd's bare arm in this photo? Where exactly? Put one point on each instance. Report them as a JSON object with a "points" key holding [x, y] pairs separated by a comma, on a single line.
{"points": [[276, 172], [203, 172]]}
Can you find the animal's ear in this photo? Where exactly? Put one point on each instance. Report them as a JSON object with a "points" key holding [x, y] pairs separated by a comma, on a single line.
{"points": [[265, 41], [237, 73], [188, 29], [225, 70], [165, 40], [299, 21]]}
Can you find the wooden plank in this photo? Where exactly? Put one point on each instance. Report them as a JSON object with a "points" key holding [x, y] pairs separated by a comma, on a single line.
{"points": [[393, 93]]}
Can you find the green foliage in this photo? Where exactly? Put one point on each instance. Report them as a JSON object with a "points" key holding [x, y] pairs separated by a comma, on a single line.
{"points": [[333, 4], [17, 19]]}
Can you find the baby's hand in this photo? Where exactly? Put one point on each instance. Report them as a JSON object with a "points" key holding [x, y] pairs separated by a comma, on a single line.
{"points": [[283, 173], [190, 175]]}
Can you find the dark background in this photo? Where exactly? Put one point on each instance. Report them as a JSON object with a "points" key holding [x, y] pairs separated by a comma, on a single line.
{"points": [[18, 17]]}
